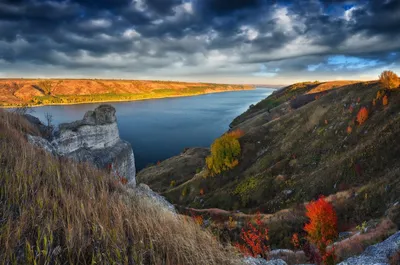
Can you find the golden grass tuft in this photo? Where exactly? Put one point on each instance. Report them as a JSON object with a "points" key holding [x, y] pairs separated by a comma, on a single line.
{"points": [[55, 211]]}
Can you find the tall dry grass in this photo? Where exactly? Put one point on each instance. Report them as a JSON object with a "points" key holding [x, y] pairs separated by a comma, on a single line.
{"points": [[55, 211]]}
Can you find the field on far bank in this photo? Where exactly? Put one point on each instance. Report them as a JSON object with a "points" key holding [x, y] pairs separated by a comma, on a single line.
{"points": [[38, 92]]}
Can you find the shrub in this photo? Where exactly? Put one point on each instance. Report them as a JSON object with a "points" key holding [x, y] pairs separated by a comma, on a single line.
{"points": [[246, 188], [385, 100], [254, 239], [362, 115], [322, 227], [172, 183], [295, 241], [225, 152], [389, 80]]}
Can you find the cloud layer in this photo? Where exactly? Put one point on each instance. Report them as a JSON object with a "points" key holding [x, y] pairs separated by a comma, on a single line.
{"points": [[246, 41]]}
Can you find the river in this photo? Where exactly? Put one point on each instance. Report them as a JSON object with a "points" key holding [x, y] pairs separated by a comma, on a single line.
{"points": [[161, 128]]}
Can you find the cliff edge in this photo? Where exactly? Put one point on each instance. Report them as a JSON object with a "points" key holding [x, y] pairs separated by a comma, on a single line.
{"points": [[94, 139]]}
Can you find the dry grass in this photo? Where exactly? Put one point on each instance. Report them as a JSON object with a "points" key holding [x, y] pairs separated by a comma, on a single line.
{"points": [[54, 211], [356, 244]]}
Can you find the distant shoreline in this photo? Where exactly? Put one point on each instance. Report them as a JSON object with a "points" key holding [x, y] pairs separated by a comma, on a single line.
{"points": [[128, 100]]}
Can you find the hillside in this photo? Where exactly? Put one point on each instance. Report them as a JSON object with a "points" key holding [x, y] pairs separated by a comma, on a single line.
{"points": [[55, 211], [33, 92], [301, 142]]}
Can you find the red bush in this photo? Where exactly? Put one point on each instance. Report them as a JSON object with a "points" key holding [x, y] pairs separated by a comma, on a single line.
{"points": [[362, 115], [322, 227], [255, 239], [295, 241]]}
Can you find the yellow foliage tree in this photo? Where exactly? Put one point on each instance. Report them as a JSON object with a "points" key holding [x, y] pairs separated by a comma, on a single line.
{"points": [[225, 152], [389, 80]]}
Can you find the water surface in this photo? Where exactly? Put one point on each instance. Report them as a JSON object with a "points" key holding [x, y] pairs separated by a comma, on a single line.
{"points": [[161, 128]]}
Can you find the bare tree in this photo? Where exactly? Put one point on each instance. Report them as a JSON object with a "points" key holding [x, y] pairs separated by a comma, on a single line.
{"points": [[49, 124]]}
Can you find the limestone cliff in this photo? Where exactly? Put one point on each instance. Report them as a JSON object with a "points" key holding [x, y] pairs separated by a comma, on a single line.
{"points": [[93, 139]]}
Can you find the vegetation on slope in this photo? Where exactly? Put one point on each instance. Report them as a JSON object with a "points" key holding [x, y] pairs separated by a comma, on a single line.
{"points": [[54, 211], [306, 140], [225, 152], [17, 92]]}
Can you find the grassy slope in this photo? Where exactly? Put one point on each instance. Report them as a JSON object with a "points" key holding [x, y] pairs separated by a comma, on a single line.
{"points": [[54, 211], [33, 92], [296, 147]]}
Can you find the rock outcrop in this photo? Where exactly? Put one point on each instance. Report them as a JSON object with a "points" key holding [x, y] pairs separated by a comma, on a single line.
{"points": [[378, 254], [94, 139]]}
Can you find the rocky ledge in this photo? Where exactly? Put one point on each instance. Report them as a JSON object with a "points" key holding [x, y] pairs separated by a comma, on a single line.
{"points": [[94, 139], [378, 254]]}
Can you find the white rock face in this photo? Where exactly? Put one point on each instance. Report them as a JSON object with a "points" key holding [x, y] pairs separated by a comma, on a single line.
{"points": [[87, 136], [93, 139]]}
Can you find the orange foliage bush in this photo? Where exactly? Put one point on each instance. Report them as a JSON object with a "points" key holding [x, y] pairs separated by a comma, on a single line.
{"points": [[238, 133], [322, 228], [198, 219], [389, 80], [123, 180], [379, 94], [385, 100], [349, 130], [362, 115], [254, 239], [295, 241]]}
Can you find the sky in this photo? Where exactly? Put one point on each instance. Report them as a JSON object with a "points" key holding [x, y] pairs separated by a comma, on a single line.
{"points": [[223, 41]]}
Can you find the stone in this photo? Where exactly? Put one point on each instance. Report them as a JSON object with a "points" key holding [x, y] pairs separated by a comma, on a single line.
{"points": [[94, 139], [287, 192], [259, 261], [378, 254]]}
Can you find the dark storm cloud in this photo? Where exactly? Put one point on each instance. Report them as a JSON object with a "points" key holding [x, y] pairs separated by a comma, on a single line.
{"points": [[199, 37], [223, 8]]}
